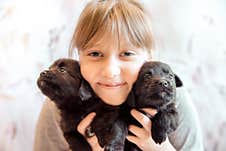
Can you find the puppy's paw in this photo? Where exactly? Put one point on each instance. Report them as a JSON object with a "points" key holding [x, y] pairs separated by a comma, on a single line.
{"points": [[108, 148], [158, 137], [114, 147], [158, 131]]}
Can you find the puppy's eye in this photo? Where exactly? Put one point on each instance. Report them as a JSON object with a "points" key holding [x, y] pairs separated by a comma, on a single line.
{"points": [[165, 71], [171, 76], [148, 74], [62, 69]]}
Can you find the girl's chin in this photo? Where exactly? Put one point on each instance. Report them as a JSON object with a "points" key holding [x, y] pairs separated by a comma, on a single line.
{"points": [[113, 96], [113, 100]]}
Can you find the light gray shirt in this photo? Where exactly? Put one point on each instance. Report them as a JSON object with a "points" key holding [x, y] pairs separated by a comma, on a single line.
{"points": [[187, 137]]}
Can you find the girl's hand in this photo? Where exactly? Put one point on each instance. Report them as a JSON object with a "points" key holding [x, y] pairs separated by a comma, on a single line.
{"points": [[93, 142], [143, 138]]}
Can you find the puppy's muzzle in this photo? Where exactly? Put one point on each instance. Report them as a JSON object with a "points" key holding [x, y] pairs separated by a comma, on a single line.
{"points": [[164, 83], [47, 74], [44, 73]]}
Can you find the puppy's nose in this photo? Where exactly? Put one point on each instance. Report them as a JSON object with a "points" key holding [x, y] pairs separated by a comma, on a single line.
{"points": [[44, 73], [164, 83]]}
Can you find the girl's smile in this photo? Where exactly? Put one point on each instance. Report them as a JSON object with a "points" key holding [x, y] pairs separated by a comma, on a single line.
{"points": [[112, 85], [111, 70]]}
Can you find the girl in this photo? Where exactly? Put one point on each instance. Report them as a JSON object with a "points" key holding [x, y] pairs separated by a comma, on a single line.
{"points": [[114, 39]]}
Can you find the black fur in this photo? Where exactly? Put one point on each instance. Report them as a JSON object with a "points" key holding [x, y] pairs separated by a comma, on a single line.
{"points": [[64, 85], [155, 88]]}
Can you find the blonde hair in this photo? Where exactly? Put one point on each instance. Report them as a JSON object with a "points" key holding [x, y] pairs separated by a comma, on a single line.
{"points": [[116, 18]]}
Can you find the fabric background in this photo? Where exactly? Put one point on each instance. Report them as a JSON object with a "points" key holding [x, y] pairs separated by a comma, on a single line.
{"points": [[189, 35]]}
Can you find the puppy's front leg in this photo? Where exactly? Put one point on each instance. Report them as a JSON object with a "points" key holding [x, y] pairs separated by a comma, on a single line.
{"points": [[110, 130], [118, 136], [163, 123], [159, 127]]}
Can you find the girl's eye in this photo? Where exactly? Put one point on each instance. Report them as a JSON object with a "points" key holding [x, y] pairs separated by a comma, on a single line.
{"points": [[95, 54], [127, 54]]}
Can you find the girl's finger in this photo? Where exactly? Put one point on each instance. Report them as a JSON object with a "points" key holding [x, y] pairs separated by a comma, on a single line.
{"points": [[137, 131], [133, 139], [150, 111], [142, 119], [93, 141], [85, 123]]}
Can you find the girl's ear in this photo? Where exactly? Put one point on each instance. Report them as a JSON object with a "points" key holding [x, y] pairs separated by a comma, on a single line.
{"points": [[85, 91], [178, 81]]}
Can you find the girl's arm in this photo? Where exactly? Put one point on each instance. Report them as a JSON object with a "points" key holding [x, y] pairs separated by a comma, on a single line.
{"points": [[48, 135], [188, 135]]}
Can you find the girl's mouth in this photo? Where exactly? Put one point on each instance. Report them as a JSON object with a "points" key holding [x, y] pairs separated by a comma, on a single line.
{"points": [[112, 85]]}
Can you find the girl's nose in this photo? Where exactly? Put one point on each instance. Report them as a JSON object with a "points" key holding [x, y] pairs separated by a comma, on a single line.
{"points": [[111, 68]]}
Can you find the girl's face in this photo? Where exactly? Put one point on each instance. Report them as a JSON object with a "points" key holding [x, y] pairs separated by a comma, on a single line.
{"points": [[111, 71]]}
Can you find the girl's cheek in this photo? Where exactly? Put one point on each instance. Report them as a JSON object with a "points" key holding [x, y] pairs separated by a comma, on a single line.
{"points": [[84, 71], [89, 71]]}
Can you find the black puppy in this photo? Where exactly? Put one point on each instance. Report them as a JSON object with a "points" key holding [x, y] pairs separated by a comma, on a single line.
{"points": [[64, 85], [156, 88]]}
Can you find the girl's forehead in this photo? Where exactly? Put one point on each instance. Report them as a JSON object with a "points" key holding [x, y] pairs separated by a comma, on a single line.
{"points": [[109, 40]]}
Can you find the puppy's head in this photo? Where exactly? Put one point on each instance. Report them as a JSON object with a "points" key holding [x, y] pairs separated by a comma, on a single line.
{"points": [[156, 85], [61, 81]]}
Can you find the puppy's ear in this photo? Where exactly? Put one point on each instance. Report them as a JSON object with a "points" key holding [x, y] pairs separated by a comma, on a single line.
{"points": [[131, 99], [178, 81], [85, 91]]}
